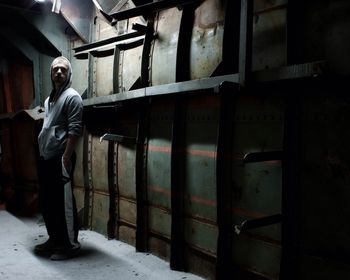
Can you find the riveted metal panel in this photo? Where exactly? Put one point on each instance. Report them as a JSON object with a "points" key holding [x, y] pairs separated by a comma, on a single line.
{"points": [[201, 136], [257, 256], [257, 187], [99, 199], [126, 171], [125, 156], [158, 247], [158, 176], [127, 234], [130, 62], [103, 66], [207, 39], [100, 212], [127, 210], [159, 221], [78, 171], [201, 235], [163, 60], [78, 180], [99, 160], [200, 184]]}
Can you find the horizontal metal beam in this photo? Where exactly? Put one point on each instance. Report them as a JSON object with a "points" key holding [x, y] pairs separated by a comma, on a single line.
{"points": [[309, 70], [118, 138], [148, 8], [306, 70], [104, 43], [176, 88]]}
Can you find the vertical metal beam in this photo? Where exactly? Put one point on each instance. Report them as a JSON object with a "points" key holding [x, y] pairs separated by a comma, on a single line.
{"points": [[112, 194], [295, 31], [184, 44], [245, 42], [230, 51], [116, 70], [86, 159], [290, 187], [141, 183], [146, 53], [177, 257], [228, 92]]}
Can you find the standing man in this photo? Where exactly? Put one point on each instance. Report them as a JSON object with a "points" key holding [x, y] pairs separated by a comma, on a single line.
{"points": [[57, 140]]}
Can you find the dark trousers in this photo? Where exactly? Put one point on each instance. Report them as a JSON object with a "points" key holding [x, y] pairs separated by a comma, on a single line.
{"points": [[59, 213]]}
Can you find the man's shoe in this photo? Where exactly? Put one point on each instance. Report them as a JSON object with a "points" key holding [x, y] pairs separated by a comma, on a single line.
{"points": [[46, 247], [65, 253]]}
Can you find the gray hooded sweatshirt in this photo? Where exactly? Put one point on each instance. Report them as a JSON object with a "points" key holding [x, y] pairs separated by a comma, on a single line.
{"points": [[63, 117]]}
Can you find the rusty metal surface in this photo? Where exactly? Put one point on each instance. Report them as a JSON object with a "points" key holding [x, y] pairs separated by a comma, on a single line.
{"points": [[164, 49], [207, 39]]}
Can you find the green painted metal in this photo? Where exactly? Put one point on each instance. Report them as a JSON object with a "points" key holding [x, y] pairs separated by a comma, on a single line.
{"points": [[200, 189], [100, 212], [257, 187], [126, 194], [99, 198], [158, 174]]}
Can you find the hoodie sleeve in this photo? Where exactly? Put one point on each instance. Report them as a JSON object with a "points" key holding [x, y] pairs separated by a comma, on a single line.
{"points": [[75, 114]]}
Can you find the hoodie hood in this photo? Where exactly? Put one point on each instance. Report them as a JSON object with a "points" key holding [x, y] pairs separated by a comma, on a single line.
{"points": [[54, 95]]}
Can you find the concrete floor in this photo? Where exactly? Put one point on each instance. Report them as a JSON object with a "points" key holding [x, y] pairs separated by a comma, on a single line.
{"points": [[99, 258]]}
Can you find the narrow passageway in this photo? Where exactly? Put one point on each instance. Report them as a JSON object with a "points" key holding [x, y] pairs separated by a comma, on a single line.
{"points": [[99, 258]]}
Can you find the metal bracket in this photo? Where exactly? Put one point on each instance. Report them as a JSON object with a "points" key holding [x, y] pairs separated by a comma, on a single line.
{"points": [[263, 156], [118, 138], [257, 223]]}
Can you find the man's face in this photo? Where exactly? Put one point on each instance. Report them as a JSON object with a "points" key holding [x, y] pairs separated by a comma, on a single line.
{"points": [[59, 72]]}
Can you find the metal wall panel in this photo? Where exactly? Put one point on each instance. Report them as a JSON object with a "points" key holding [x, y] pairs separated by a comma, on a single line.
{"points": [[126, 193], [78, 182], [158, 176], [103, 66], [164, 49], [99, 198], [324, 232], [207, 39], [269, 34], [257, 187], [200, 225]]}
